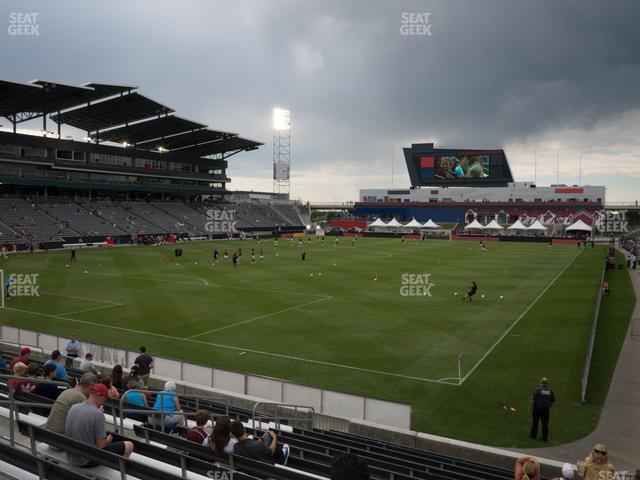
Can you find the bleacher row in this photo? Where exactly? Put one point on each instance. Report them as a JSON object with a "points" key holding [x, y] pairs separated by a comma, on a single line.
{"points": [[39, 453], [55, 218]]}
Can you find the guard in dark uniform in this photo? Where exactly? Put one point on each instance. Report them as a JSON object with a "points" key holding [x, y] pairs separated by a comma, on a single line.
{"points": [[540, 405]]}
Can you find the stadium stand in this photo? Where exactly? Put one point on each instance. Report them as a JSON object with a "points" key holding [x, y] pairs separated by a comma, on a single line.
{"points": [[166, 456]]}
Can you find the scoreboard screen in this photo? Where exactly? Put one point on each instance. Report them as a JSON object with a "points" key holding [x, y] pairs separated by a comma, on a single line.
{"points": [[429, 166]]}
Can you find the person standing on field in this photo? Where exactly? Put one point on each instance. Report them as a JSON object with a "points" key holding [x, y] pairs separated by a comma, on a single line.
{"points": [[540, 405]]}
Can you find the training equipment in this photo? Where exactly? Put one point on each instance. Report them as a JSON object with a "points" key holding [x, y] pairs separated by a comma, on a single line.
{"points": [[508, 409]]}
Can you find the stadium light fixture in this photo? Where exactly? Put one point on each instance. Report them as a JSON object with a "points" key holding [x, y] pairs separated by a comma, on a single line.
{"points": [[281, 119]]}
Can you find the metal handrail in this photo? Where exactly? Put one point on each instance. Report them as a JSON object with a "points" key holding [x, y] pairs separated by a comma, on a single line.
{"points": [[162, 413], [14, 413], [278, 418], [21, 345]]}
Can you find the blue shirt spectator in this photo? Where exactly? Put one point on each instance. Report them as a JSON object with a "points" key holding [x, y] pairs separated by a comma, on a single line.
{"points": [[61, 372]]}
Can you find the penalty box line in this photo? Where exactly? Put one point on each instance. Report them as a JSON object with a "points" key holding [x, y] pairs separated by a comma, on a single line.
{"points": [[511, 327], [240, 349]]}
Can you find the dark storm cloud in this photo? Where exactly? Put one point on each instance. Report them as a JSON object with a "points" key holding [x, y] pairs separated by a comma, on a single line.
{"points": [[493, 72]]}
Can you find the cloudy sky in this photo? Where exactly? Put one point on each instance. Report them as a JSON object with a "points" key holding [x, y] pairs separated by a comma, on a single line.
{"points": [[556, 77]]}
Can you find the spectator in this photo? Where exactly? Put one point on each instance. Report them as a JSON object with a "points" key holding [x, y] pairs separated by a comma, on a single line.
{"points": [[48, 390], [198, 434], [116, 377], [61, 372], [19, 370], [596, 466], [73, 350], [87, 364], [527, 468], [605, 287], [33, 372], [637, 475], [68, 398], [137, 399], [266, 449], [112, 392], [567, 472], [85, 423], [167, 401], [144, 362], [221, 440], [348, 466], [23, 357]]}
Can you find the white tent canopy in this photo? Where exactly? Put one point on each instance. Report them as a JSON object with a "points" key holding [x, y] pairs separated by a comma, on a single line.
{"points": [[493, 225], [394, 223], [537, 226], [518, 225], [474, 225], [579, 226], [414, 224], [378, 223], [430, 224]]}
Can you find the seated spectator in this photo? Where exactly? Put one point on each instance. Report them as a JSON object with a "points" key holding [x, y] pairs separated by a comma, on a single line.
{"points": [[348, 466], [221, 440], [112, 392], [267, 449], [87, 364], [137, 399], [85, 423], [605, 287], [49, 390], [68, 398], [198, 434], [167, 401], [19, 370], [596, 466], [23, 358], [3, 364], [116, 377], [61, 372], [527, 468], [567, 472]]}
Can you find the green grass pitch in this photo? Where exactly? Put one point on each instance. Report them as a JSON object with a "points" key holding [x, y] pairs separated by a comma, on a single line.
{"points": [[329, 322]]}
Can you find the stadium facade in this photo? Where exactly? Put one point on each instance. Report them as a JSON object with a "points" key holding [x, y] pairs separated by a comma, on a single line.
{"points": [[139, 170], [458, 185]]}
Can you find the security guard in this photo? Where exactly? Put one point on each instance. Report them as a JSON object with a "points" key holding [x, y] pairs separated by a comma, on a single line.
{"points": [[540, 404]]}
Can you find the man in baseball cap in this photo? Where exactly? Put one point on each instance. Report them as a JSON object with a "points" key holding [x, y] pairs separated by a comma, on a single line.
{"points": [[85, 423], [23, 357]]}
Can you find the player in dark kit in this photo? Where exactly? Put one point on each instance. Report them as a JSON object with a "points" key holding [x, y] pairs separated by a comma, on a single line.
{"points": [[472, 291], [304, 256], [215, 256], [73, 256]]}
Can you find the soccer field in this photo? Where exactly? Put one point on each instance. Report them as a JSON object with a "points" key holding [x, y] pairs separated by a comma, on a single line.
{"points": [[342, 319]]}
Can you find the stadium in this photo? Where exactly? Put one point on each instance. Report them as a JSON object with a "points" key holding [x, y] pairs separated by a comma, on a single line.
{"points": [[181, 301]]}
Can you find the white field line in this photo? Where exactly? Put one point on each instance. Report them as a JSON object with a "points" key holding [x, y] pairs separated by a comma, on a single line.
{"points": [[91, 309], [239, 349], [205, 284], [260, 317], [80, 298], [506, 332]]}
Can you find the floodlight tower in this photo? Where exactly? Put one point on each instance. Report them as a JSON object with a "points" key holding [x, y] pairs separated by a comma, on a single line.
{"points": [[281, 151]]}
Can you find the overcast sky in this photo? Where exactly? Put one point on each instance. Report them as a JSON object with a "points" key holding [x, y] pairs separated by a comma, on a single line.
{"points": [[551, 76]]}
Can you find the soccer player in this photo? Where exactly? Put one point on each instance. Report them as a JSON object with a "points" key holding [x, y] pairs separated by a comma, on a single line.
{"points": [[483, 247], [235, 259], [7, 286], [253, 256], [226, 255], [472, 291], [73, 256], [304, 256], [215, 256], [261, 255], [337, 241]]}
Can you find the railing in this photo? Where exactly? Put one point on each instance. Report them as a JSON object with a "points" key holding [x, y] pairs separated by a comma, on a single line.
{"points": [[592, 339], [14, 413], [277, 417]]}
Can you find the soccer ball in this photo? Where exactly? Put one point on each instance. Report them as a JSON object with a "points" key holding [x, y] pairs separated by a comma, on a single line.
{"points": [[86, 271], [195, 263], [482, 296], [311, 274], [455, 293], [67, 266], [320, 274], [501, 296]]}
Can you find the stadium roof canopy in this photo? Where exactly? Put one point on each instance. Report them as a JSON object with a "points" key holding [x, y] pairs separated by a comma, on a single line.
{"points": [[146, 131], [187, 139], [231, 144], [25, 101], [112, 112]]}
